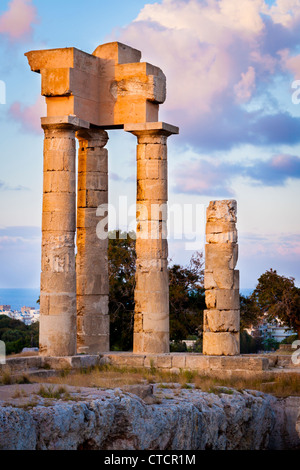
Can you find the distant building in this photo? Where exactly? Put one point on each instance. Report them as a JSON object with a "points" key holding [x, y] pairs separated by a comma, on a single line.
{"points": [[5, 308], [27, 309], [275, 330]]}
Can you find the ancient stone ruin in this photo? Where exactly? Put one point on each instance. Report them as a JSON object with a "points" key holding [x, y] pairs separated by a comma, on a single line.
{"points": [[221, 281], [86, 95]]}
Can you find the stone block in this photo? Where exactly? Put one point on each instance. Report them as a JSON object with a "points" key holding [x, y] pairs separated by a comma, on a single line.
{"points": [[196, 362], [211, 298], [227, 299], [156, 322], [152, 190], [58, 304], [152, 151], [91, 198], [179, 360], [92, 284], [58, 282], [96, 161], [224, 237], [152, 249], [59, 222], [223, 278], [92, 305], [222, 211], [209, 282], [92, 325], [93, 180], [222, 321], [151, 343], [220, 226], [220, 256], [58, 335], [221, 344], [59, 181], [59, 202]]}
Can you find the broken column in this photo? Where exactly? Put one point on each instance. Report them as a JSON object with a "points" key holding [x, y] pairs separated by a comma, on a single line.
{"points": [[221, 281], [92, 257], [151, 317], [58, 278]]}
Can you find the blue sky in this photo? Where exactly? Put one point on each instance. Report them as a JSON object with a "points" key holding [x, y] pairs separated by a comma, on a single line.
{"points": [[230, 67]]}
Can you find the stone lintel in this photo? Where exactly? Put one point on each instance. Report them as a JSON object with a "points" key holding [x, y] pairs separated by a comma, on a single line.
{"points": [[155, 127], [68, 120]]}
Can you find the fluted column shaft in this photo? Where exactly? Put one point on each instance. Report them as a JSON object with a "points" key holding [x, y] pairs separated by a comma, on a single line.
{"points": [[58, 277], [92, 259], [151, 318]]}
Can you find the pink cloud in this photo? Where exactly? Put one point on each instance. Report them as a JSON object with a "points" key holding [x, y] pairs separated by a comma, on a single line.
{"points": [[29, 116], [17, 21], [216, 55]]}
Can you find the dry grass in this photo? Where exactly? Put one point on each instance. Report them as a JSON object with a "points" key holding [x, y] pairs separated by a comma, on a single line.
{"points": [[280, 385]]}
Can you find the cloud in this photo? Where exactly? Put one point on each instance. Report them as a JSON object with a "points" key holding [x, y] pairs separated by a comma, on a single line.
{"points": [[217, 56], [5, 187], [16, 23], [20, 254], [29, 116], [215, 178]]}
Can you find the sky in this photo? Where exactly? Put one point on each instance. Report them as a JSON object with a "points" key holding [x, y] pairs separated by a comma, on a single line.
{"points": [[233, 88]]}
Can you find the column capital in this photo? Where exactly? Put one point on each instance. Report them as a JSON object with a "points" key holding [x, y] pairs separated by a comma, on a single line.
{"points": [[151, 128], [94, 137], [64, 122]]}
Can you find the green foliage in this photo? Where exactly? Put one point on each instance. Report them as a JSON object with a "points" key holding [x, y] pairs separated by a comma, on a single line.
{"points": [[16, 335], [270, 344], [187, 300], [250, 312], [278, 297], [289, 339], [178, 346], [249, 344], [121, 265]]}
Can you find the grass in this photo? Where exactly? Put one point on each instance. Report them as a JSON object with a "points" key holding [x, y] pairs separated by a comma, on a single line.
{"points": [[54, 393], [280, 385]]}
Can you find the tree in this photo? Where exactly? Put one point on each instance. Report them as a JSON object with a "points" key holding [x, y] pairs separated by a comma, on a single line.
{"points": [[16, 335], [121, 268], [187, 300], [186, 293], [277, 297], [250, 312]]}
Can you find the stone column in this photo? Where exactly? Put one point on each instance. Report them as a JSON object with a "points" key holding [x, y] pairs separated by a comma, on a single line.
{"points": [[92, 259], [221, 281], [58, 278], [151, 317]]}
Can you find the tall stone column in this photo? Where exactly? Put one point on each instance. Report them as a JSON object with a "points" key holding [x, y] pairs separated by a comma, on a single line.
{"points": [[151, 317], [221, 281], [92, 256], [58, 278]]}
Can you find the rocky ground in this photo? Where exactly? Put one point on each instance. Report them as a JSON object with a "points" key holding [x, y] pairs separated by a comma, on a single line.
{"points": [[145, 417]]}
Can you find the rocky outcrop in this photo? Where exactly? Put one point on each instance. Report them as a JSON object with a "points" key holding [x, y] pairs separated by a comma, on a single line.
{"points": [[170, 419]]}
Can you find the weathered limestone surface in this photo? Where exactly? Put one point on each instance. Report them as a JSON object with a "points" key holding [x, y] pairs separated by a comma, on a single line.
{"points": [[221, 281], [58, 278], [151, 319], [92, 260], [107, 88], [115, 420]]}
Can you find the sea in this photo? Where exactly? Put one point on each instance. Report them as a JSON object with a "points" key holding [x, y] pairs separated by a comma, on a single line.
{"points": [[19, 298]]}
